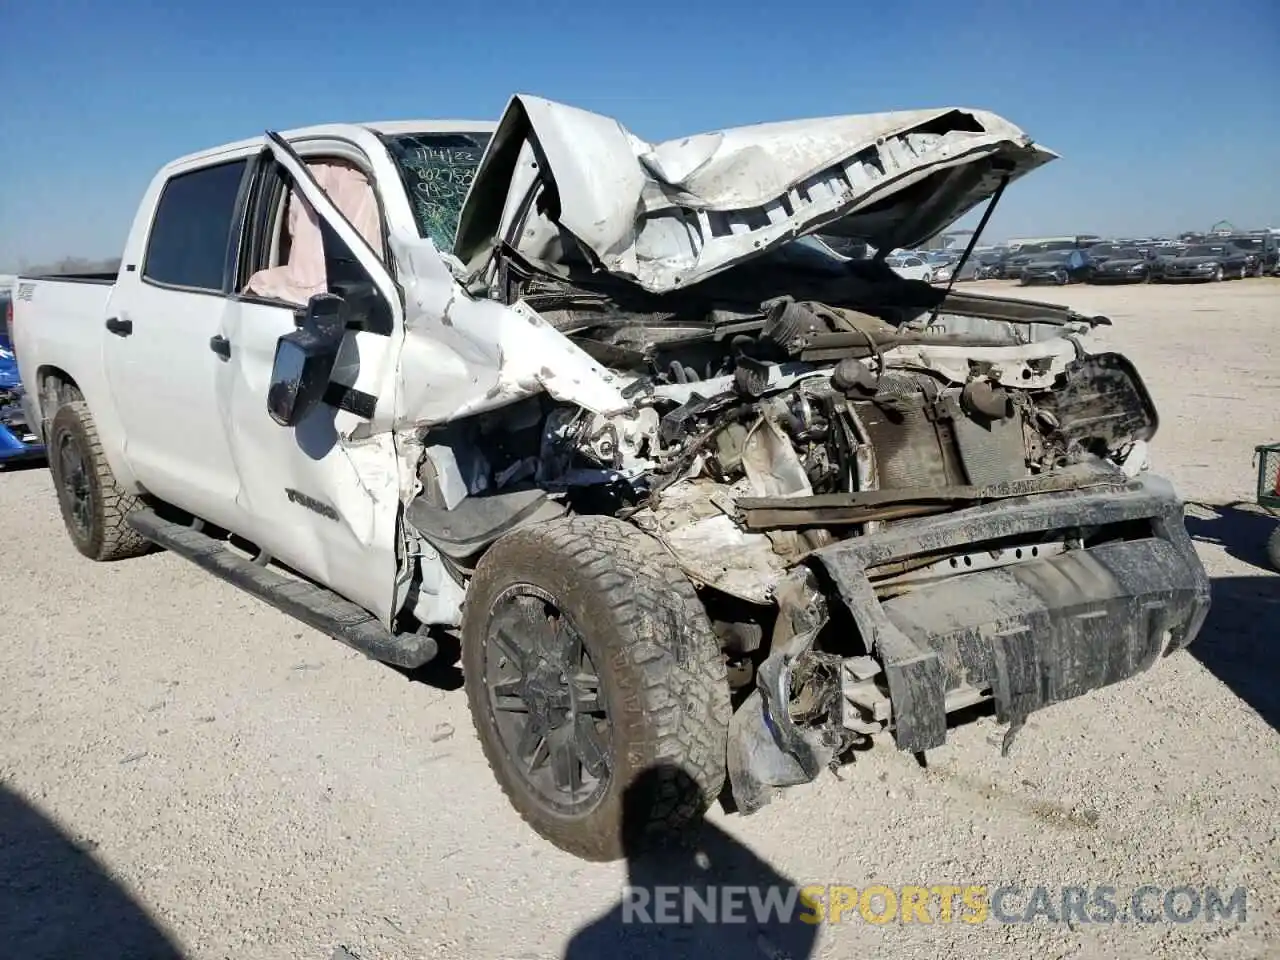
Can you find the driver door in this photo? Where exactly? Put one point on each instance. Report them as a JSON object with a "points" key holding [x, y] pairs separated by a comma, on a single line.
{"points": [[323, 495]]}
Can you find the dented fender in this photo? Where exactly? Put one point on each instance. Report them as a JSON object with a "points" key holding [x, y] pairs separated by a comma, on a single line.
{"points": [[462, 356]]}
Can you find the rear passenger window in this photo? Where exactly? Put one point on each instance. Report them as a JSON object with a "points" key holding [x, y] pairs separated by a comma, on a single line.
{"points": [[193, 224]]}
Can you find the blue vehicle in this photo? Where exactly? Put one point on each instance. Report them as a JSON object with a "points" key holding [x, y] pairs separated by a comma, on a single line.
{"points": [[17, 440]]}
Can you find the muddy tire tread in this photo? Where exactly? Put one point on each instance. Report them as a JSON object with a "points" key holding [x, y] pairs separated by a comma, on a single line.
{"points": [[117, 539], [672, 669]]}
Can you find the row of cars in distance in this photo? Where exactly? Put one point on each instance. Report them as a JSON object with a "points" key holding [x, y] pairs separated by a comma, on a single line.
{"points": [[1067, 260]]}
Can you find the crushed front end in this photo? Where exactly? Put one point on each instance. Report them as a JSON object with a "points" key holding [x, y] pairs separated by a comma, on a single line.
{"points": [[1028, 601], [887, 520], [894, 501]]}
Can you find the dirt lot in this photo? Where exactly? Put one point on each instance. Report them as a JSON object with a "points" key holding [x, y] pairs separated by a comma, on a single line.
{"points": [[177, 757]]}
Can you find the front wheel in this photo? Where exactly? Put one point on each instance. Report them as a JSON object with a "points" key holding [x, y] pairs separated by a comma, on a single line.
{"points": [[94, 506], [596, 685], [1217, 274]]}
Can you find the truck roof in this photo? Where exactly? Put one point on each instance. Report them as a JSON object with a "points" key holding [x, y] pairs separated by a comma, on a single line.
{"points": [[391, 127]]}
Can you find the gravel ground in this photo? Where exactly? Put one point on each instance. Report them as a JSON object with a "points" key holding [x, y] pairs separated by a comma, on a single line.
{"points": [[181, 763]]}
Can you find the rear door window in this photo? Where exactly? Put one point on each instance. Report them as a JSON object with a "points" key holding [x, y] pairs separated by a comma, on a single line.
{"points": [[192, 231]]}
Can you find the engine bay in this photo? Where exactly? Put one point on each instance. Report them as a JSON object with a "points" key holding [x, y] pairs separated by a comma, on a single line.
{"points": [[760, 433]]}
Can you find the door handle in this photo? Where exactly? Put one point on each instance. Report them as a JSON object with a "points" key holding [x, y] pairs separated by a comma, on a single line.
{"points": [[221, 346], [121, 328]]}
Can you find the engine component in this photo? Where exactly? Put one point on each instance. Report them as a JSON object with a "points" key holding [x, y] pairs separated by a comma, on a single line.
{"points": [[851, 377], [751, 377], [789, 325], [983, 398]]}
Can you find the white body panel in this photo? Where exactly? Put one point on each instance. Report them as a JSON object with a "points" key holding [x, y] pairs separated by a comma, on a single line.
{"points": [[325, 496]]}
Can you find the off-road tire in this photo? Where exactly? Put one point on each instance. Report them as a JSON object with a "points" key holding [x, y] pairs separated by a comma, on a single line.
{"points": [[108, 536], [1273, 548], [662, 677]]}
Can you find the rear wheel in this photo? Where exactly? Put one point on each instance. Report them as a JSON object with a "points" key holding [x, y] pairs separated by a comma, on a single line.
{"points": [[94, 507], [596, 685]]}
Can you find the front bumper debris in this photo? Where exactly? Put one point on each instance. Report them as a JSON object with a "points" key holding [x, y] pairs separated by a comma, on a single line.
{"points": [[1026, 635]]}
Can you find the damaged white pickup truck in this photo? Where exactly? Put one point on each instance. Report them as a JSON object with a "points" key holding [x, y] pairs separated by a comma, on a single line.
{"points": [[693, 492]]}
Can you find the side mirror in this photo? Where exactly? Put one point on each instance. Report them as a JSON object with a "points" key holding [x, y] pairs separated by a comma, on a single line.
{"points": [[304, 360]]}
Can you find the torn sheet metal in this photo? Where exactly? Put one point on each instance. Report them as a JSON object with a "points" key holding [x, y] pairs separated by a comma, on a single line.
{"points": [[463, 356], [667, 215], [1032, 366], [709, 545]]}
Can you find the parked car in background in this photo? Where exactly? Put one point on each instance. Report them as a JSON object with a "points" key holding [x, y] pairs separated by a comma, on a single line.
{"points": [[17, 440], [910, 266], [1102, 252], [1080, 241], [1022, 255], [1207, 261], [1057, 266], [1123, 265], [1264, 247], [1161, 255], [995, 263], [944, 273]]}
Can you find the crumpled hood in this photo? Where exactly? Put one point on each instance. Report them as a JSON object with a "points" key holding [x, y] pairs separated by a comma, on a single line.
{"points": [[670, 214]]}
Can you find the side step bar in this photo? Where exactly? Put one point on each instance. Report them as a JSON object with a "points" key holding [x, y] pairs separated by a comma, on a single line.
{"points": [[313, 605]]}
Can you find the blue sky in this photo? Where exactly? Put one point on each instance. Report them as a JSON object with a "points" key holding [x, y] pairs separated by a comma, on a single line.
{"points": [[1166, 112]]}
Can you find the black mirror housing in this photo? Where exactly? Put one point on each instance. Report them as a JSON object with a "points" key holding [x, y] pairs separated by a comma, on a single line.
{"points": [[305, 359]]}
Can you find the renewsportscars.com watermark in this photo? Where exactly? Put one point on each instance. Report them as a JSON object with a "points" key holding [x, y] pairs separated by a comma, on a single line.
{"points": [[938, 903]]}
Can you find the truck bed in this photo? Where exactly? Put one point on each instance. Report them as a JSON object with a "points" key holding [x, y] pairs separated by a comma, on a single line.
{"points": [[57, 325], [72, 277]]}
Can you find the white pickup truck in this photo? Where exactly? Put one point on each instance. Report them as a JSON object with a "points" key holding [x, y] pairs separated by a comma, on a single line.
{"points": [[701, 501]]}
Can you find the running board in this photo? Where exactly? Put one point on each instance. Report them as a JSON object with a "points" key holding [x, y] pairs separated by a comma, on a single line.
{"points": [[313, 605]]}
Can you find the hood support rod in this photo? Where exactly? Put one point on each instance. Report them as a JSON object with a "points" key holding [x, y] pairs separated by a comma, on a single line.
{"points": [[973, 242]]}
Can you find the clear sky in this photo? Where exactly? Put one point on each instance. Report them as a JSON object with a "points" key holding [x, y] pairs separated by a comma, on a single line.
{"points": [[1166, 112]]}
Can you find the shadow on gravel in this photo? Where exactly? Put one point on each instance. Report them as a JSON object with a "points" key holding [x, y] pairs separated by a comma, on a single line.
{"points": [[1241, 528], [25, 465], [706, 866], [442, 673], [56, 901], [1238, 643]]}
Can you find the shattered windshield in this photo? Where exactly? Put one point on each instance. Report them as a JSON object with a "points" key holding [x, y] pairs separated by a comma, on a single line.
{"points": [[437, 170]]}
